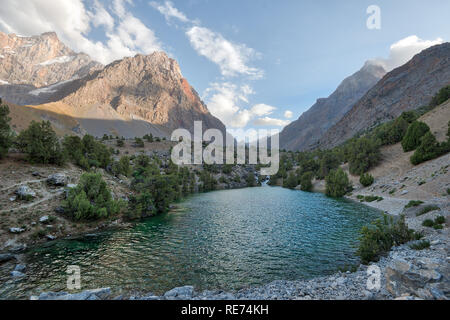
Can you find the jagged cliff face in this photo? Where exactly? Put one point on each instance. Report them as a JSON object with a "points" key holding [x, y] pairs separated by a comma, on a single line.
{"points": [[129, 97], [150, 88], [405, 88], [31, 68], [304, 133]]}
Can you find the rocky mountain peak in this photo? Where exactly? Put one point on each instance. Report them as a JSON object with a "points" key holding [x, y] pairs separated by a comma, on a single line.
{"points": [[304, 133], [40, 61], [405, 88]]}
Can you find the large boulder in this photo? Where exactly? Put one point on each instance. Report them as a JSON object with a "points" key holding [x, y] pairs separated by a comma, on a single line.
{"points": [[25, 193], [57, 179], [424, 278]]}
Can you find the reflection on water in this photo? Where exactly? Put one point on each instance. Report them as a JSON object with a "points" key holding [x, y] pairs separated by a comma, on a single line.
{"points": [[219, 240]]}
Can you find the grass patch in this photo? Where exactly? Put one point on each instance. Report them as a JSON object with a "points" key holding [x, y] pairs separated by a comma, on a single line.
{"points": [[427, 209], [421, 245], [413, 203], [436, 224], [369, 198]]}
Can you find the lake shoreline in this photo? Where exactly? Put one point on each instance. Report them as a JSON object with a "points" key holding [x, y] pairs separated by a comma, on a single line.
{"points": [[338, 286]]}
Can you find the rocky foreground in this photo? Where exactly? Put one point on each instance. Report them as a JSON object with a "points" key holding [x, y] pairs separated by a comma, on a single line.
{"points": [[405, 274]]}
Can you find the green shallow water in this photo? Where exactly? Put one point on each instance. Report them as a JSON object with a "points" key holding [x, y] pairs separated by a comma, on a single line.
{"points": [[219, 240]]}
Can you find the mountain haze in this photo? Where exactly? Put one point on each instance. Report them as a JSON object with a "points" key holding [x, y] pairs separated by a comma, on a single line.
{"points": [[405, 88], [304, 133]]}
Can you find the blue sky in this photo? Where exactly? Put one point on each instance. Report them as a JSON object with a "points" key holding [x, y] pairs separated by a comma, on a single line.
{"points": [[251, 61]]}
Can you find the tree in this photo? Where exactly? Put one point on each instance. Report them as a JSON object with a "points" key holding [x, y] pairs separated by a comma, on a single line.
{"points": [[41, 144], [415, 132], [291, 182], [122, 167], [363, 153], [428, 149], [366, 179], [305, 181], [138, 143], [442, 96], [5, 130], [91, 199], [337, 183]]}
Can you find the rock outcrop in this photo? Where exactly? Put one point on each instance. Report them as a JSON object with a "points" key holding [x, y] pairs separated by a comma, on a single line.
{"points": [[406, 88], [304, 133], [32, 68]]}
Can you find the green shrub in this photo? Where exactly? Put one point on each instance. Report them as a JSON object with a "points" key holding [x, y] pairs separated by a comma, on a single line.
{"points": [[413, 203], [337, 183], [372, 198], [141, 206], [366, 179], [149, 137], [122, 167], [442, 96], [428, 223], [87, 152], [429, 149], [305, 181], [5, 130], [251, 182], [138, 143], [120, 143], [291, 182], [440, 220], [40, 143], [427, 209], [381, 236], [414, 134], [91, 199], [363, 154], [421, 245]]}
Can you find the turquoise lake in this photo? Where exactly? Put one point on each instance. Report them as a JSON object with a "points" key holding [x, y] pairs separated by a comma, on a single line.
{"points": [[219, 240]]}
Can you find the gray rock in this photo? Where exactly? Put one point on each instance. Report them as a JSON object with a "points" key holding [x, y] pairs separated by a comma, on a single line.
{"points": [[17, 274], [57, 179], [25, 192], [180, 292], [50, 237], [17, 247], [16, 230], [4, 257], [20, 267], [43, 219]]}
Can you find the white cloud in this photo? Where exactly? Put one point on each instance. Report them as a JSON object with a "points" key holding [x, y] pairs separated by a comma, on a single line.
{"points": [[262, 109], [288, 114], [169, 11], [72, 21], [402, 51], [223, 100], [231, 58], [271, 122]]}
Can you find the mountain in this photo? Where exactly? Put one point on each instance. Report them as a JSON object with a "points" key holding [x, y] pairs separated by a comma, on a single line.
{"points": [[31, 68], [143, 88], [405, 88], [304, 133], [129, 97]]}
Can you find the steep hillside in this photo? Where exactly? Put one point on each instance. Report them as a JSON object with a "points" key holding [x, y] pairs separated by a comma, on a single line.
{"points": [[305, 132], [398, 181], [405, 88]]}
